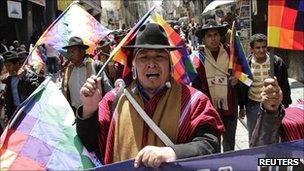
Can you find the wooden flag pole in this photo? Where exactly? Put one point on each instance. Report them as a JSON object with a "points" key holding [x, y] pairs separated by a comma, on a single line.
{"points": [[271, 57], [232, 50]]}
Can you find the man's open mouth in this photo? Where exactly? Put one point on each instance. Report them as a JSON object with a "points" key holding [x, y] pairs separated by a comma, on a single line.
{"points": [[153, 75]]}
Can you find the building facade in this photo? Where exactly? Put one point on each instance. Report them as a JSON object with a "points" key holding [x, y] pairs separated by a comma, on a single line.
{"points": [[26, 28]]}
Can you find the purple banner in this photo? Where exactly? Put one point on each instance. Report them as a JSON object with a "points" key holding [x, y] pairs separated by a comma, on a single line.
{"points": [[238, 160]]}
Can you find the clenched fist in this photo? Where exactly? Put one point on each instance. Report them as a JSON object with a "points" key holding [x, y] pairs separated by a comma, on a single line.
{"points": [[271, 95], [90, 95]]}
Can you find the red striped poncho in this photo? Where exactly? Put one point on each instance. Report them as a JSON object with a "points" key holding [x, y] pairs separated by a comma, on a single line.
{"points": [[293, 122], [196, 110]]}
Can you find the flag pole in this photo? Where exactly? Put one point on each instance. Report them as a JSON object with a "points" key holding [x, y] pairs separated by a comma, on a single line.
{"points": [[271, 59], [50, 26], [232, 50], [121, 44]]}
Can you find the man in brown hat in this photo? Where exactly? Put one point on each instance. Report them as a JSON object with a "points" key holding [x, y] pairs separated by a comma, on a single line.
{"points": [[118, 36], [214, 80], [104, 51], [76, 73], [114, 128]]}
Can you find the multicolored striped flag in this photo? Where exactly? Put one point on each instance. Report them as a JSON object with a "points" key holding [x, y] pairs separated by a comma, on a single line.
{"points": [[238, 64], [37, 58], [120, 55], [197, 57], [286, 24], [183, 70], [41, 135], [74, 21]]}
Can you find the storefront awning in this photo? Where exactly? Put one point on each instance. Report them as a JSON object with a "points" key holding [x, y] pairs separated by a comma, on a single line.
{"points": [[213, 5]]}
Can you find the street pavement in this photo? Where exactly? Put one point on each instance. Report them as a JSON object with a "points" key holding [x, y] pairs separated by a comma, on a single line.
{"points": [[241, 138]]}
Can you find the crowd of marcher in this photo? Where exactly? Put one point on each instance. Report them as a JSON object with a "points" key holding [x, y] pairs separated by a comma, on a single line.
{"points": [[197, 119]]}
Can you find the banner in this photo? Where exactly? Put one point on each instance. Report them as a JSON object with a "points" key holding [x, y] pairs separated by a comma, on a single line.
{"points": [[239, 160]]}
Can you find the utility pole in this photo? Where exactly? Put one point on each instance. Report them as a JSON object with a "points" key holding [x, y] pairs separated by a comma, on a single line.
{"points": [[50, 11], [198, 9]]}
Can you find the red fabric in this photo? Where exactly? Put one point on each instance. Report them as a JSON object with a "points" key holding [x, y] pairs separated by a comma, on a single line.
{"points": [[149, 108], [200, 112], [293, 123]]}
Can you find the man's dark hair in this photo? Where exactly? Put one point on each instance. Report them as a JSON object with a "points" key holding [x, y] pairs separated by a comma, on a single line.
{"points": [[259, 37]]}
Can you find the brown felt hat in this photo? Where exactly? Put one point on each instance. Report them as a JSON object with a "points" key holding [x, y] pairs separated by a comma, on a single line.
{"points": [[76, 41]]}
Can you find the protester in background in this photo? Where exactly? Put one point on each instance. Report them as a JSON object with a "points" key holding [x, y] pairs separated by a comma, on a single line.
{"points": [[52, 60], [103, 51], [214, 80], [193, 38], [259, 63], [22, 48], [183, 113], [176, 28], [23, 54], [80, 68], [20, 83], [118, 36], [16, 46], [3, 47], [185, 31]]}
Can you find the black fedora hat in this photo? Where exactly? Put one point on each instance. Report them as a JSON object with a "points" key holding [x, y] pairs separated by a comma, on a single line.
{"points": [[211, 24], [76, 41], [151, 36], [11, 55]]}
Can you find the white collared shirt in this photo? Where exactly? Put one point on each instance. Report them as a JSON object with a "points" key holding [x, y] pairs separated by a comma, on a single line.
{"points": [[76, 81]]}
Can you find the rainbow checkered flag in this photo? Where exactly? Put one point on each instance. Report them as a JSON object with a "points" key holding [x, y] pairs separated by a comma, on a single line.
{"points": [[238, 65], [74, 21], [41, 135], [183, 70], [286, 24]]}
